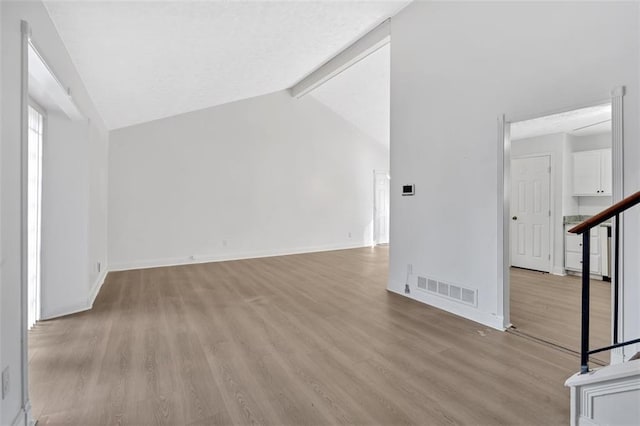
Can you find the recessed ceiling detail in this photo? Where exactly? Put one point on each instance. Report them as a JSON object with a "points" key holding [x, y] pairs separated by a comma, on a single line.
{"points": [[143, 61]]}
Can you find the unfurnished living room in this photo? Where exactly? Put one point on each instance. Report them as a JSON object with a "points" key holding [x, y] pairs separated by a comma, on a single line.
{"points": [[235, 212]]}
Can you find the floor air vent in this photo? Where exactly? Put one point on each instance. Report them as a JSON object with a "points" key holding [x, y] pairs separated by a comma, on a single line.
{"points": [[450, 291]]}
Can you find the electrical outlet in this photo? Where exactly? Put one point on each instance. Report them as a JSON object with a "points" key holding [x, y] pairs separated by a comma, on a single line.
{"points": [[5, 382], [224, 243], [349, 234]]}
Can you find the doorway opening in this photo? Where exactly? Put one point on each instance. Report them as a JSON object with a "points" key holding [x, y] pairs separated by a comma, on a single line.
{"points": [[34, 203], [558, 172], [381, 181]]}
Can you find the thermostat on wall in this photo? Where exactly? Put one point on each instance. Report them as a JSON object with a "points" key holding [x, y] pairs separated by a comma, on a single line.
{"points": [[408, 189]]}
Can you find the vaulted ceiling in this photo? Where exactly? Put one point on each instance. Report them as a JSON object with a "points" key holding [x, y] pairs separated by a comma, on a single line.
{"points": [[362, 95], [146, 60]]}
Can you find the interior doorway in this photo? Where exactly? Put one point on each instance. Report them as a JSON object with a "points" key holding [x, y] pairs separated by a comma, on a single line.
{"points": [[558, 171], [381, 180], [36, 120]]}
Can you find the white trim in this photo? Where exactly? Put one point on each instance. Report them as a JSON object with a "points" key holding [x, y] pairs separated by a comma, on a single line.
{"points": [[46, 80], [20, 418], [366, 45], [25, 30], [82, 306], [603, 374], [609, 380], [177, 261], [559, 270], [504, 188], [67, 310], [468, 312], [504, 172], [617, 194], [95, 289]]}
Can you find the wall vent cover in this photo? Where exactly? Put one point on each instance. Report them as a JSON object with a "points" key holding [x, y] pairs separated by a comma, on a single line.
{"points": [[422, 283], [468, 296]]}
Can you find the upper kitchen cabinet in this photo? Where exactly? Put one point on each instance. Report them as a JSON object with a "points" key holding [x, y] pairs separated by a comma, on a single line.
{"points": [[592, 173]]}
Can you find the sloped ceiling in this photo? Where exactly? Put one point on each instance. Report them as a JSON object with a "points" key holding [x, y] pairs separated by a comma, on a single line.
{"points": [[142, 61], [361, 95]]}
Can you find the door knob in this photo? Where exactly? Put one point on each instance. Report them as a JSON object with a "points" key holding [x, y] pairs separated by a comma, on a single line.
{"points": [[515, 218]]}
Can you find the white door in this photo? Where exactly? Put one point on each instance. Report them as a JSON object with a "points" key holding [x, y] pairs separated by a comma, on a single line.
{"points": [[381, 207], [530, 213]]}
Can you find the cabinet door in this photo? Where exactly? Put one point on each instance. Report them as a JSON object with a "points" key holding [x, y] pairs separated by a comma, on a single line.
{"points": [[606, 175], [595, 266], [586, 173], [574, 243], [573, 261]]}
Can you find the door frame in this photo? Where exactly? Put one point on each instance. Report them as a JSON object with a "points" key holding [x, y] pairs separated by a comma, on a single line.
{"points": [[616, 98], [25, 409], [43, 113], [551, 203]]}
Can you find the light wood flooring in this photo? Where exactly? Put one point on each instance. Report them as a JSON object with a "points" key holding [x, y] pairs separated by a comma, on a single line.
{"points": [[307, 339], [548, 307]]}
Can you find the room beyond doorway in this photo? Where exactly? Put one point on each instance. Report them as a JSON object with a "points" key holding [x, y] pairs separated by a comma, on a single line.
{"points": [[558, 167], [544, 307]]}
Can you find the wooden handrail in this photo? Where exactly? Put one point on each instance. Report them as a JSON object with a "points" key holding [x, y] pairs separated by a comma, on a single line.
{"points": [[610, 212]]}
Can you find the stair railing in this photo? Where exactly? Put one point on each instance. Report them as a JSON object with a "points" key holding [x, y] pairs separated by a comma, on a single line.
{"points": [[584, 229]]}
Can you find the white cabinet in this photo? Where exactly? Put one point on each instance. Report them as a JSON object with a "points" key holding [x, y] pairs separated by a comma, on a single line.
{"points": [[573, 250], [592, 173]]}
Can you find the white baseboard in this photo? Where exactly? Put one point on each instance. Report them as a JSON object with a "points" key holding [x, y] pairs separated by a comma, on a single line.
{"points": [[66, 310], [487, 319], [158, 263], [558, 270], [21, 418], [95, 289], [80, 306]]}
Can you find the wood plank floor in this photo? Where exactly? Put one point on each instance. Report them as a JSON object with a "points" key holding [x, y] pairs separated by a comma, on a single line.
{"points": [[548, 307], [307, 339]]}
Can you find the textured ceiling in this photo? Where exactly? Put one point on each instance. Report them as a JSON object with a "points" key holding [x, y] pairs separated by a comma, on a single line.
{"points": [[142, 61], [361, 95], [579, 122]]}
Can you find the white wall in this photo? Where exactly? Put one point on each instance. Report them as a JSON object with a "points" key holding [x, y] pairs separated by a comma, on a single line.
{"points": [[2, 320], [64, 216], [69, 169], [553, 146], [262, 176], [455, 67], [570, 204]]}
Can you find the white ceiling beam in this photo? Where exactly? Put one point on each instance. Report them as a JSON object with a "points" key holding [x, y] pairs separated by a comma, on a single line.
{"points": [[357, 51], [46, 89]]}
